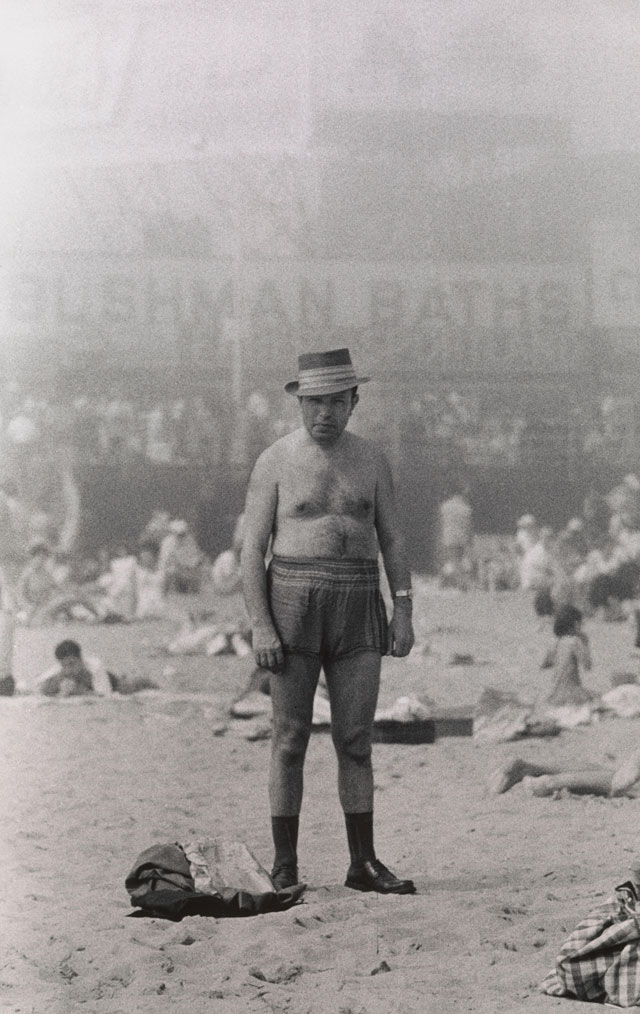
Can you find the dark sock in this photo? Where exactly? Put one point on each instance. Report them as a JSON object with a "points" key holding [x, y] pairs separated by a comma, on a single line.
{"points": [[360, 836], [285, 839]]}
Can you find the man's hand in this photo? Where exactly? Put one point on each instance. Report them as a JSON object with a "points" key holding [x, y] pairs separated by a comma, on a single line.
{"points": [[400, 631], [267, 650]]}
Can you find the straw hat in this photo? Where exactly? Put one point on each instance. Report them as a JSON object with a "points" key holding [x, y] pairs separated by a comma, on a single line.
{"points": [[324, 373]]}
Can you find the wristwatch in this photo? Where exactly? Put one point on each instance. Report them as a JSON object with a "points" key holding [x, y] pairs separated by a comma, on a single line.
{"points": [[403, 593]]}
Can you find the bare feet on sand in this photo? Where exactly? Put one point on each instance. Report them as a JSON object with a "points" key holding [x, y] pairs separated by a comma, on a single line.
{"points": [[512, 772], [626, 775]]}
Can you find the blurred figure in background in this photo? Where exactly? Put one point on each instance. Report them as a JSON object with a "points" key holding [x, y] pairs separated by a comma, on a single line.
{"points": [[596, 516], [149, 583], [572, 546], [181, 560], [48, 592], [118, 587], [225, 571], [570, 655], [537, 566], [37, 583], [624, 504], [526, 534], [456, 540]]}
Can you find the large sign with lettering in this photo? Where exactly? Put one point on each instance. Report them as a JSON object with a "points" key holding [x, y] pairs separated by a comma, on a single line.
{"points": [[437, 318]]}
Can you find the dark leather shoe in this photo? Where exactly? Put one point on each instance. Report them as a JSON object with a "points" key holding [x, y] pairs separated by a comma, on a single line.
{"points": [[372, 875], [284, 876]]}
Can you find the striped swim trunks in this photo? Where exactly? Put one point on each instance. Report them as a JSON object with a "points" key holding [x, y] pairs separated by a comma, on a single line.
{"points": [[329, 608]]}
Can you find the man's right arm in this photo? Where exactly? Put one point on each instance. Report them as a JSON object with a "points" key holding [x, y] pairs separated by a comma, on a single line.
{"points": [[260, 514]]}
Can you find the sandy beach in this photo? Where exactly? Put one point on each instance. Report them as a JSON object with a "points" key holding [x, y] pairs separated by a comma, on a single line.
{"points": [[87, 784]]}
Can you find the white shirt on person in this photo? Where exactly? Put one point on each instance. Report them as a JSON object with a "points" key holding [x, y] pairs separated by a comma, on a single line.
{"points": [[93, 665]]}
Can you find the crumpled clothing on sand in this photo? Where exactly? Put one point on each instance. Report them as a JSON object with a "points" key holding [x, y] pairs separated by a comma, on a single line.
{"points": [[210, 877], [404, 709], [623, 700], [600, 960], [501, 717]]}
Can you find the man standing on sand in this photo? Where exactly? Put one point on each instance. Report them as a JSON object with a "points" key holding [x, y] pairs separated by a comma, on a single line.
{"points": [[325, 498]]}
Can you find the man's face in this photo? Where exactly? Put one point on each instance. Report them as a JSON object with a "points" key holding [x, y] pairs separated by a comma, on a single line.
{"points": [[326, 416]]}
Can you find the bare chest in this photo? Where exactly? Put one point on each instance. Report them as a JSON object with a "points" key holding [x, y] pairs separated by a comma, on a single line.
{"points": [[320, 490]]}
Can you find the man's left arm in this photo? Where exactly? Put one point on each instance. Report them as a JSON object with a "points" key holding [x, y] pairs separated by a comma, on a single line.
{"points": [[395, 562]]}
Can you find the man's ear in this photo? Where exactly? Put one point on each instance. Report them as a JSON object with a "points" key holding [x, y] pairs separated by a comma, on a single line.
{"points": [[355, 398]]}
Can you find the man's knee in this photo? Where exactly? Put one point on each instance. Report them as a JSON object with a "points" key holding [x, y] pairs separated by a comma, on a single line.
{"points": [[353, 745], [290, 740]]}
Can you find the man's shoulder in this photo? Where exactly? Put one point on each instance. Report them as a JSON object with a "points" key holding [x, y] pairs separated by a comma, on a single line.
{"points": [[281, 449]]}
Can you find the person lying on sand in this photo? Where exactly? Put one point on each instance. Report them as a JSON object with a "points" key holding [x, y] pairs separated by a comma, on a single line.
{"points": [[541, 780], [45, 593], [77, 675]]}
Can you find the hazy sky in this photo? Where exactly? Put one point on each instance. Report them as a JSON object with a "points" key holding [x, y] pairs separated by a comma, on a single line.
{"points": [[574, 58]]}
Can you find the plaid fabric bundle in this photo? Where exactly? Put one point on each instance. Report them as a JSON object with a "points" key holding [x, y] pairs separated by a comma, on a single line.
{"points": [[600, 960]]}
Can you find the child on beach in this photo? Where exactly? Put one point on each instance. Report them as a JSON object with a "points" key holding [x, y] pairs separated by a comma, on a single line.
{"points": [[570, 654], [77, 675], [74, 675]]}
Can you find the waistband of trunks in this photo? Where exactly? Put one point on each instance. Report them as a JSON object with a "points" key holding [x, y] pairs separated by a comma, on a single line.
{"points": [[325, 568]]}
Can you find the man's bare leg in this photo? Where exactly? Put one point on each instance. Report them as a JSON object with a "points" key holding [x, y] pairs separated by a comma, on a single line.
{"points": [[583, 783], [591, 781], [292, 693], [353, 685]]}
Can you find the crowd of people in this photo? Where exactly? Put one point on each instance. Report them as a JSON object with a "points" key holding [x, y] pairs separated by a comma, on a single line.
{"points": [[593, 562], [130, 582], [98, 429], [199, 430], [453, 423]]}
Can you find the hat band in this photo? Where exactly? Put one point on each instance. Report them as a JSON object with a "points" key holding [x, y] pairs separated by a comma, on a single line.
{"points": [[326, 376]]}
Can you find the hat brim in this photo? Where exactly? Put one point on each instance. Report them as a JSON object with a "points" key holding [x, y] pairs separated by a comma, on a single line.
{"points": [[293, 387]]}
